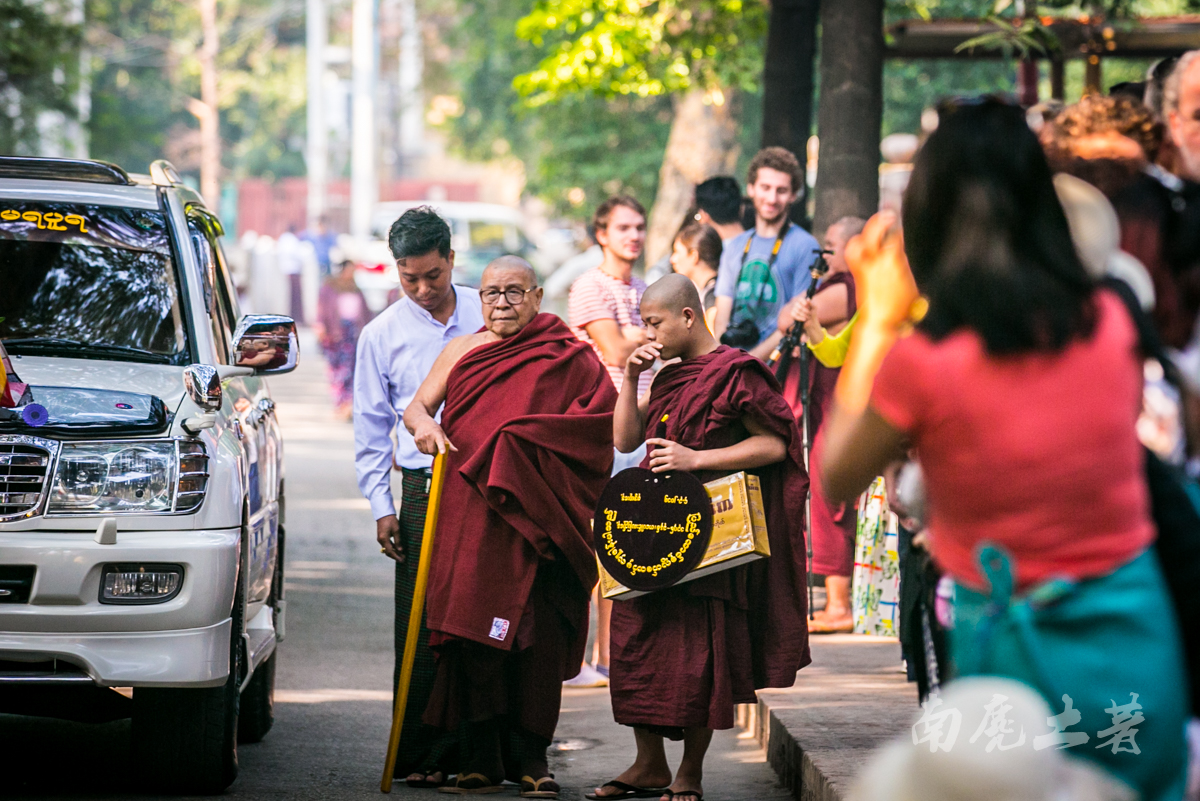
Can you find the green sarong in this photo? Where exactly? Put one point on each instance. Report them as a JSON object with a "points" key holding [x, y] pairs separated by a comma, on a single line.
{"points": [[422, 748], [1111, 644]]}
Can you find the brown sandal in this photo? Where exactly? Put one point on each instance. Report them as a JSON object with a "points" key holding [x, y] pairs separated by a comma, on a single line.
{"points": [[544, 787]]}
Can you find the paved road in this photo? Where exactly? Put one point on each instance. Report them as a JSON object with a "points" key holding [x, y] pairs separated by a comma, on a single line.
{"points": [[333, 698]]}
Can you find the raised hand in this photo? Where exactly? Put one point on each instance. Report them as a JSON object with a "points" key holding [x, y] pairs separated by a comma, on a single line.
{"points": [[885, 284], [642, 359]]}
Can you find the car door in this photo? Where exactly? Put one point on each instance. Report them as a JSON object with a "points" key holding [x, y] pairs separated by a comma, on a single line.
{"points": [[253, 410]]}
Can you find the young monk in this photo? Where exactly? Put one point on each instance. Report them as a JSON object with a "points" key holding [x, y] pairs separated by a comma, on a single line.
{"points": [[684, 656]]}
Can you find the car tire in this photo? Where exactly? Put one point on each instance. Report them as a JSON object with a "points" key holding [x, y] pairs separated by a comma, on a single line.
{"points": [[185, 740], [257, 713]]}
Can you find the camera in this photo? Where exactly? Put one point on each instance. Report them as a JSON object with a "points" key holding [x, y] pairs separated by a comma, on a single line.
{"points": [[743, 334]]}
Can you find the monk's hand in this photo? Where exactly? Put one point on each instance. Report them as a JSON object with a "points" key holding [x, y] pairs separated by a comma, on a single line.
{"points": [[666, 455], [387, 531], [642, 360], [431, 439]]}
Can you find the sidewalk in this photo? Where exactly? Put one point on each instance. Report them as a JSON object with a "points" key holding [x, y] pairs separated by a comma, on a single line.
{"points": [[848, 702]]}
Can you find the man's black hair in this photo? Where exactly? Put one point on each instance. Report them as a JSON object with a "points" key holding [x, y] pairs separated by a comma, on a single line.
{"points": [[721, 198], [417, 232]]}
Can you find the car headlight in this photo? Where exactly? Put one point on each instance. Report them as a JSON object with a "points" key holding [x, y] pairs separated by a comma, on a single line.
{"points": [[133, 477]]}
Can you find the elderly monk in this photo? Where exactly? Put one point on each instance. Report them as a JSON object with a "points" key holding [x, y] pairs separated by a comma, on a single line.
{"points": [[528, 426], [684, 656]]}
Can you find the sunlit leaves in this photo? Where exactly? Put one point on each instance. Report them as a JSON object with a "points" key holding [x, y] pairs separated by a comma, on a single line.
{"points": [[641, 49]]}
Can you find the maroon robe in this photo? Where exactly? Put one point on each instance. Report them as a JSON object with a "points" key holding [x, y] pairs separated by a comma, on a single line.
{"points": [[682, 657], [834, 525], [513, 564]]}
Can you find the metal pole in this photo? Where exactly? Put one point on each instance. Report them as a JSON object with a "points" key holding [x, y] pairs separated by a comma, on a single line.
{"points": [[412, 112], [364, 68], [414, 618], [805, 397], [317, 150]]}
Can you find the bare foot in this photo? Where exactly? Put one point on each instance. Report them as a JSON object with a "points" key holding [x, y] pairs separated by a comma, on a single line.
{"points": [[638, 776], [434, 779], [685, 788], [830, 623]]}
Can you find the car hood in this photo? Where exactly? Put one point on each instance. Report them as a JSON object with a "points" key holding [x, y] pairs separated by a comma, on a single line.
{"points": [[162, 380]]}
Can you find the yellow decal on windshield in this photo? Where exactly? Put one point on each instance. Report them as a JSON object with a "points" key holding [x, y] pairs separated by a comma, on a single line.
{"points": [[50, 220]]}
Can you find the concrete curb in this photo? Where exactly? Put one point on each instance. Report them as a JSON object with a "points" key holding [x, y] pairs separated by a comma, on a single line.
{"points": [[819, 733], [796, 769]]}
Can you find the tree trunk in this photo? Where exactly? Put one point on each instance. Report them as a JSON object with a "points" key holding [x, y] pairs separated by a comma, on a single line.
{"points": [[210, 131], [702, 144], [788, 82], [851, 110]]}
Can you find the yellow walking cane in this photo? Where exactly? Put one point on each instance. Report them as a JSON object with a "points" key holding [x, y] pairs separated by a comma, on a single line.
{"points": [[414, 618]]}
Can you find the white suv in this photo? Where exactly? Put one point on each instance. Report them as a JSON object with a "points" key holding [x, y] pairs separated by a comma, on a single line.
{"points": [[141, 468]]}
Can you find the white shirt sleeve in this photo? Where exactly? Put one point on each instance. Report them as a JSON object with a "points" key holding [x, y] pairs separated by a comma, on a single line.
{"points": [[374, 419]]}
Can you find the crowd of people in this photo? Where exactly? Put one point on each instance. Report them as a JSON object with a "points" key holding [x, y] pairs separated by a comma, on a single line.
{"points": [[1016, 352]]}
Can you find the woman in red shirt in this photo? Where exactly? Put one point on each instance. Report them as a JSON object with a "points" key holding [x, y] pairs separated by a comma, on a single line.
{"points": [[1020, 390]]}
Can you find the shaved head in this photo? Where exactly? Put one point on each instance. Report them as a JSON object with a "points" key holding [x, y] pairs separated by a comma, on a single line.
{"points": [[504, 315], [673, 293], [508, 264], [674, 317]]}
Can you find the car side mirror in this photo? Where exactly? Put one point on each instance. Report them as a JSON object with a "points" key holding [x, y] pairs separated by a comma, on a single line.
{"points": [[267, 343], [203, 385]]}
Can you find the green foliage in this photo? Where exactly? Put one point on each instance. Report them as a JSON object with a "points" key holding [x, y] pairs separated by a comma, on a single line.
{"points": [[575, 152], [146, 67], [910, 87], [1019, 38], [136, 105], [627, 47], [263, 94], [39, 70]]}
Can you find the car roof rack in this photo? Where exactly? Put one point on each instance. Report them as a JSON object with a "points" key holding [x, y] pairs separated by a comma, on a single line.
{"points": [[48, 169], [163, 173]]}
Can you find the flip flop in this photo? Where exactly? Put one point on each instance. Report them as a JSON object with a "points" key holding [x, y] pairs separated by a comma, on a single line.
{"points": [[472, 784], [627, 791], [544, 787]]}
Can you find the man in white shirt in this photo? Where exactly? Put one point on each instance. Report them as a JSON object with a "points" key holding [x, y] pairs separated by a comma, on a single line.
{"points": [[395, 353]]}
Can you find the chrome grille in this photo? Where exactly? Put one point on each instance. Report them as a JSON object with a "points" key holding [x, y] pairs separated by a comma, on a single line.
{"points": [[24, 470]]}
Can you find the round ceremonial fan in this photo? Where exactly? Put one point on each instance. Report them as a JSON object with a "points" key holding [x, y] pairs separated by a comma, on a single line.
{"points": [[652, 529]]}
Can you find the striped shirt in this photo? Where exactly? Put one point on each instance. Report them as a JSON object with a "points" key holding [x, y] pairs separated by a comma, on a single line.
{"points": [[596, 295]]}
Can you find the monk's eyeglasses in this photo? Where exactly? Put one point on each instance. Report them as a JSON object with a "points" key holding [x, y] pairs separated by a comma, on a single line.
{"points": [[514, 296]]}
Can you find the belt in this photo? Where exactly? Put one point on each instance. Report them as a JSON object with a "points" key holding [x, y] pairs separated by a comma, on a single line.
{"points": [[422, 475]]}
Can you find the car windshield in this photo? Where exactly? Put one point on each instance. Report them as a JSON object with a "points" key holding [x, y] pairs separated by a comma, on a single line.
{"points": [[89, 282]]}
